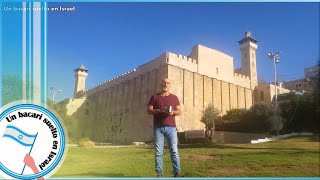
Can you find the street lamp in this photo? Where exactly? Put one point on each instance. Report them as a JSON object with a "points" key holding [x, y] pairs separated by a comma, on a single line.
{"points": [[54, 90], [275, 57]]}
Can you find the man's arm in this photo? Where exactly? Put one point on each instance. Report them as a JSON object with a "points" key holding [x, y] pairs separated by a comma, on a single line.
{"points": [[176, 112], [150, 109], [153, 111]]}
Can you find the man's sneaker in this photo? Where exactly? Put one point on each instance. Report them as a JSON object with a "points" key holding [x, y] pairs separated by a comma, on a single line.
{"points": [[176, 174], [160, 174]]}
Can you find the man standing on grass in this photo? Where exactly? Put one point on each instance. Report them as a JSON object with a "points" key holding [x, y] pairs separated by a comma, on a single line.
{"points": [[164, 107]]}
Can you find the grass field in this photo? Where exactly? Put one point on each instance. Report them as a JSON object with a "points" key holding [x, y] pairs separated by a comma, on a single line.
{"points": [[294, 157]]}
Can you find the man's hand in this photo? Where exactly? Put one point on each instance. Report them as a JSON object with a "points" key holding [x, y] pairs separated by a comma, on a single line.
{"points": [[176, 112], [164, 110], [150, 110]]}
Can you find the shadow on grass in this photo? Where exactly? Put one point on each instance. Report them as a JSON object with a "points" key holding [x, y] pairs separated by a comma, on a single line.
{"points": [[262, 154], [95, 174], [223, 146], [315, 138], [228, 146], [247, 146]]}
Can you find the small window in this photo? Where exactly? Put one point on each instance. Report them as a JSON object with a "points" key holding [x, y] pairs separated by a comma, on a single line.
{"points": [[167, 59], [217, 70]]}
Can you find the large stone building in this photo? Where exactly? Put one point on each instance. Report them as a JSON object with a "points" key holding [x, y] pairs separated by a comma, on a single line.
{"points": [[115, 110], [306, 83]]}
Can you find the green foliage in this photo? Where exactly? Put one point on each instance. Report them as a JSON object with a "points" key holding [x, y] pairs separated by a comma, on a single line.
{"points": [[259, 118], [71, 123], [86, 142], [209, 116], [84, 139], [276, 123], [218, 121], [11, 88], [234, 114], [58, 108], [296, 114], [300, 114]]}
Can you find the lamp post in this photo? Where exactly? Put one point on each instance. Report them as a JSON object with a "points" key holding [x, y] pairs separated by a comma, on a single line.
{"points": [[275, 57], [54, 90]]}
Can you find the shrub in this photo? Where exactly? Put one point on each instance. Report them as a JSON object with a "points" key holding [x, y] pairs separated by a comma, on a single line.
{"points": [[234, 114], [86, 142], [300, 114], [258, 119], [210, 116]]}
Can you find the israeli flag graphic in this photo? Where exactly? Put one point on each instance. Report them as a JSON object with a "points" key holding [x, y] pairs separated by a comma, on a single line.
{"points": [[19, 136]]}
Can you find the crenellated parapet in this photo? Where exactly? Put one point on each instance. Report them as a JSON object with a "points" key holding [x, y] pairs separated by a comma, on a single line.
{"points": [[242, 80], [181, 61], [181, 57], [241, 76], [164, 59], [112, 81], [134, 73]]}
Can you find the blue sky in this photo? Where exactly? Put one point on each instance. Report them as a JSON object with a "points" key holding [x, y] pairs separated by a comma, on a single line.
{"points": [[113, 38]]}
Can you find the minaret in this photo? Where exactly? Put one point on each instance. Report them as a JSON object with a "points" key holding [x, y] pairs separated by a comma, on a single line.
{"points": [[248, 49], [80, 74]]}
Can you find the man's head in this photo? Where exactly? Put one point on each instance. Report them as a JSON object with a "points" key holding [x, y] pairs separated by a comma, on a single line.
{"points": [[166, 84]]}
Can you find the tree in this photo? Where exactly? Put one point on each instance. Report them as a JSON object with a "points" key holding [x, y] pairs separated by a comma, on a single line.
{"points": [[72, 125], [276, 123], [11, 88], [261, 118], [209, 116], [316, 96], [234, 114], [302, 112]]}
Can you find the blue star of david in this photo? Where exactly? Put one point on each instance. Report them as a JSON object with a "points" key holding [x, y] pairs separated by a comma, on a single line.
{"points": [[20, 136]]}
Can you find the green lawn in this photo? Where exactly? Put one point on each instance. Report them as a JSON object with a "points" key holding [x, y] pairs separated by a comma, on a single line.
{"points": [[295, 157]]}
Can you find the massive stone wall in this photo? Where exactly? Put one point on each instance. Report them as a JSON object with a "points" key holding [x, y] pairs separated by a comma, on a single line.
{"points": [[196, 92], [118, 113], [115, 110]]}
